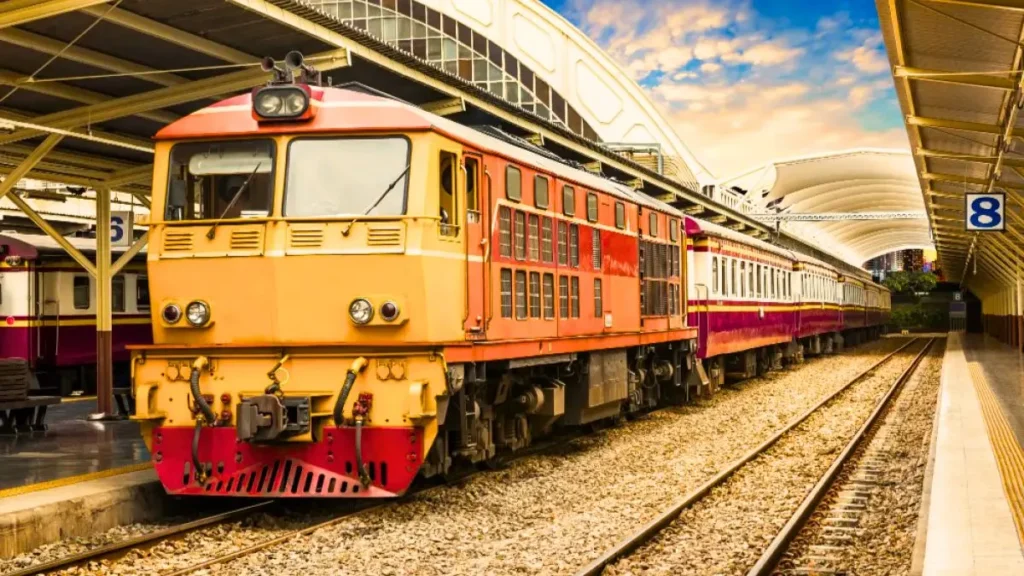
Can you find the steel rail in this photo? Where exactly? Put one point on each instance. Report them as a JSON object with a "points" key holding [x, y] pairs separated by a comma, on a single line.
{"points": [[773, 554], [136, 541], [652, 528]]}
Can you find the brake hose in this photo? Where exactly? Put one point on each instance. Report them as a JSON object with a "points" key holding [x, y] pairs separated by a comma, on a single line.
{"points": [[346, 389], [364, 477], [207, 416]]}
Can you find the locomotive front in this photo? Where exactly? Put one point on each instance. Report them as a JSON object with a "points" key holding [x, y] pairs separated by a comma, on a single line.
{"points": [[294, 249]]}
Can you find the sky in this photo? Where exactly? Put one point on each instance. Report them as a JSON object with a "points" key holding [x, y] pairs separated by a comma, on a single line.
{"points": [[745, 82]]}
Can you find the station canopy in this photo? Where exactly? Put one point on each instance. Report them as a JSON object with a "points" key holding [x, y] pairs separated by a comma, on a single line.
{"points": [[868, 201], [958, 69]]}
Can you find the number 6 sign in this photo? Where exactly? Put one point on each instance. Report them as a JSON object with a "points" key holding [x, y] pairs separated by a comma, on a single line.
{"points": [[985, 212]]}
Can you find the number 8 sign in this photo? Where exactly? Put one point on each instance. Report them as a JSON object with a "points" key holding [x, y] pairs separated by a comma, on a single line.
{"points": [[985, 212]]}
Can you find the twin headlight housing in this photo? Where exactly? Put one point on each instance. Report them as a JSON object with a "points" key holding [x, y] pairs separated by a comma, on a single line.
{"points": [[281, 103], [197, 313], [361, 311]]}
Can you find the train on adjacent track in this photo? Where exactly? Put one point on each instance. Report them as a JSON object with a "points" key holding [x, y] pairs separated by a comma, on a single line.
{"points": [[349, 292], [48, 312]]}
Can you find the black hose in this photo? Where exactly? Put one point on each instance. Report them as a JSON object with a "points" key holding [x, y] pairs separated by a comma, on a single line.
{"points": [[364, 477], [211, 419], [200, 471], [339, 406]]}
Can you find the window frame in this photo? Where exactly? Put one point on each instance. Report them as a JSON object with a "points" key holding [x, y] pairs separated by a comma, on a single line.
{"points": [[568, 208], [537, 178], [652, 225], [516, 293], [140, 302], [534, 294], [88, 291], [518, 254], [673, 230], [548, 296], [121, 306], [503, 274], [509, 169], [597, 207], [620, 215], [714, 275], [598, 298]]}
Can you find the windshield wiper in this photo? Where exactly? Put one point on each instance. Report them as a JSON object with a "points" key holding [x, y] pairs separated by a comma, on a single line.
{"points": [[378, 201], [213, 229]]}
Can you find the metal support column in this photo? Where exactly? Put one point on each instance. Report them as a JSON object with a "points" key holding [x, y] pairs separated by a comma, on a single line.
{"points": [[104, 309]]}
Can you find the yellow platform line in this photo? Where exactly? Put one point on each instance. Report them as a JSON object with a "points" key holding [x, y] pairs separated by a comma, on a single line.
{"points": [[19, 490], [1008, 451], [71, 399]]}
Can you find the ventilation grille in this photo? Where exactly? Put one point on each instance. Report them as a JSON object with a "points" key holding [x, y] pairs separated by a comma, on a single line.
{"points": [[287, 478], [177, 241], [377, 236], [245, 240], [305, 238]]}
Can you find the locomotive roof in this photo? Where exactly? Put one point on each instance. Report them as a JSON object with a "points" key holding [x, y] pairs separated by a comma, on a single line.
{"points": [[30, 246], [341, 110]]}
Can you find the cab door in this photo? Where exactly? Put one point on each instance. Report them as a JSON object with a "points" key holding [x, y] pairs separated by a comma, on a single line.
{"points": [[477, 244]]}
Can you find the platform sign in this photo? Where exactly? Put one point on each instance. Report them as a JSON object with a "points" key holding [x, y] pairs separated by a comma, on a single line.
{"points": [[121, 233], [986, 212]]}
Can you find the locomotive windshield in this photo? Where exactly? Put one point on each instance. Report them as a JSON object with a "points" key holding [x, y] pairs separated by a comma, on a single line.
{"points": [[205, 178], [346, 176]]}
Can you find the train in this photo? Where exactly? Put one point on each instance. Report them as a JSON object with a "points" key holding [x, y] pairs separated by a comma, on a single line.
{"points": [[350, 293], [48, 312]]}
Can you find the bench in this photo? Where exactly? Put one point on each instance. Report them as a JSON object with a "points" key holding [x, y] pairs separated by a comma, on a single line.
{"points": [[23, 416]]}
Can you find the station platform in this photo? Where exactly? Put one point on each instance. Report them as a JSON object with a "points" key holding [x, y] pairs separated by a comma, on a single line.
{"points": [[72, 450], [973, 509]]}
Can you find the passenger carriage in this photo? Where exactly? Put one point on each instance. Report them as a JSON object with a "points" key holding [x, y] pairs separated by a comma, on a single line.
{"points": [[818, 295], [48, 311]]}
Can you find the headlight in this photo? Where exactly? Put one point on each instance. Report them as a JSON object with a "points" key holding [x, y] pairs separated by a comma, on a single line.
{"points": [[197, 313], [361, 311], [389, 311], [171, 313], [281, 102]]}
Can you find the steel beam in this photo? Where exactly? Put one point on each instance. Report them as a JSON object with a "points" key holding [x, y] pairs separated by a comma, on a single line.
{"points": [[937, 177], [164, 97], [1014, 5], [139, 174], [16, 121], [73, 94], [170, 34], [926, 153], [125, 258], [17, 12], [925, 122], [838, 216], [99, 60], [52, 232], [445, 107], [29, 163], [981, 80]]}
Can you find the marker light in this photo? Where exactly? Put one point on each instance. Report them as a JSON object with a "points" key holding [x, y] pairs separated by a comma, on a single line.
{"points": [[281, 102], [361, 311], [197, 313], [171, 313], [389, 311]]}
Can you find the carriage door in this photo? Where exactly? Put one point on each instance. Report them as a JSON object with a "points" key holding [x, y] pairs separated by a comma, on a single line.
{"points": [[477, 248]]}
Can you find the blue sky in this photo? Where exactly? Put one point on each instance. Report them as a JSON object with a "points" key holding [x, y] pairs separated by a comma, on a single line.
{"points": [[748, 81]]}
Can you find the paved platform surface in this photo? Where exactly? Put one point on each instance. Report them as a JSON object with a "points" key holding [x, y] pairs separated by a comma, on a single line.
{"points": [[975, 508], [72, 449]]}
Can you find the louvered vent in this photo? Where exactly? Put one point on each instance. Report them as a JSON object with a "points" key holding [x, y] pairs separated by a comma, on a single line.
{"points": [[245, 240], [306, 238], [177, 241], [384, 236]]}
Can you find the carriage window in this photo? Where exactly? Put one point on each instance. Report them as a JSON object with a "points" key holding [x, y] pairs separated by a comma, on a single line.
{"points": [[513, 183], [714, 274], [520, 235], [506, 293], [447, 206], [620, 215], [534, 294], [750, 279], [117, 293], [673, 230], [591, 207], [545, 240], [205, 178], [82, 292], [563, 296], [743, 279], [505, 231], [563, 244], [549, 295], [142, 292], [653, 231], [329, 177], [520, 295], [574, 246], [757, 291], [734, 288], [472, 191], [534, 239], [568, 201], [575, 301], [540, 192]]}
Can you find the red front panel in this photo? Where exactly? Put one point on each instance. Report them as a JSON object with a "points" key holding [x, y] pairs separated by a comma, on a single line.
{"points": [[289, 470]]}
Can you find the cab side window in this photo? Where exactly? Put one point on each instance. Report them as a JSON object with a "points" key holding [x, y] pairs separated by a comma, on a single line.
{"points": [[446, 192], [473, 187]]}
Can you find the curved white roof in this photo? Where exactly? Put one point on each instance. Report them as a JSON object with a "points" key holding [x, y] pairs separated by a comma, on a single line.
{"points": [[572, 64], [861, 180]]}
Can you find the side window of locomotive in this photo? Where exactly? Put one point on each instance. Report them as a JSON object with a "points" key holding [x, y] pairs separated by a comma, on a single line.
{"points": [[350, 176], [541, 192], [568, 201], [212, 180], [653, 228], [620, 215], [142, 292], [513, 184], [473, 188], [673, 230], [448, 208], [591, 207], [82, 292], [117, 293]]}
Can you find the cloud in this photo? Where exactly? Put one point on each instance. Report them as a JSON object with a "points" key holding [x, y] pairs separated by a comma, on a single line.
{"points": [[869, 57]]}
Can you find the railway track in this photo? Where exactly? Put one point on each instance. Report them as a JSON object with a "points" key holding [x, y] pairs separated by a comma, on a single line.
{"points": [[767, 563]]}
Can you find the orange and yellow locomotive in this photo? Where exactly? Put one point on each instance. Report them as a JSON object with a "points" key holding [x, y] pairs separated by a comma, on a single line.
{"points": [[349, 291]]}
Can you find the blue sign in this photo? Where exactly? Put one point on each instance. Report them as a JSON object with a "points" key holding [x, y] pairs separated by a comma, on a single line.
{"points": [[986, 212]]}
